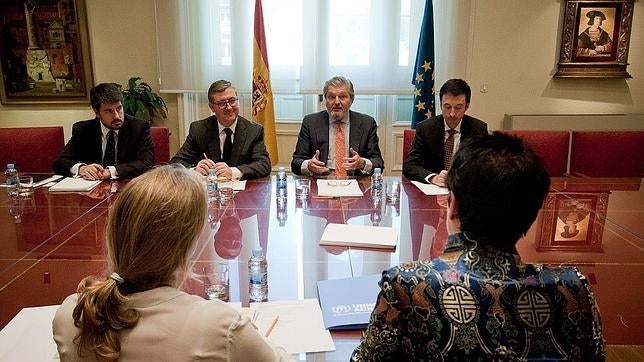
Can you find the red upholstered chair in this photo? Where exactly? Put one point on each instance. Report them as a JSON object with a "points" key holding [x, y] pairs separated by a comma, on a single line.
{"points": [[31, 149], [607, 153], [161, 139], [551, 146], [408, 139]]}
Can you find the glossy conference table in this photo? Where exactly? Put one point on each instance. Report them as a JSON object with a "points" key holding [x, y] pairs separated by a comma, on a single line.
{"points": [[59, 239]]}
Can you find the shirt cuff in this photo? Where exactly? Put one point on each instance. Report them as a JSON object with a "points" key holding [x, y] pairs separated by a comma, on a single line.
{"points": [[237, 175], [429, 177], [113, 174], [368, 166], [304, 168], [74, 170]]}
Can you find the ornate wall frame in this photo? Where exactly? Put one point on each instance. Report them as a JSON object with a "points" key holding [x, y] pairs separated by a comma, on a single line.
{"points": [[597, 50]]}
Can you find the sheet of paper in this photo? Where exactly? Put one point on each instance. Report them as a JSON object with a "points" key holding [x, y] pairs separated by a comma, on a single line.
{"points": [[299, 328], [28, 336], [77, 184], [431, 189], [360, 236], [47, 180], [338, 188], [237, 185]]}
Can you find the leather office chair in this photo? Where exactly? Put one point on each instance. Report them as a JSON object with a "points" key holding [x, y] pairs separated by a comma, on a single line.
{"points": [[31, 149], [161, 139], [607, 153], [408, 140], [551, 146]]}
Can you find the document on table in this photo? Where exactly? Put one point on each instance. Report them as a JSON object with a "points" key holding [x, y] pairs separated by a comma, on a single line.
{"points": [[47, 180], [338, 188], [28, 336], [431, 189], [360, 236], [77, 184], [236, 185], [299, 328]]}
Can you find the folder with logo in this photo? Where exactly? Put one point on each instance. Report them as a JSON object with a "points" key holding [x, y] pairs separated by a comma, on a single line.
{"points": [[348, 303]]}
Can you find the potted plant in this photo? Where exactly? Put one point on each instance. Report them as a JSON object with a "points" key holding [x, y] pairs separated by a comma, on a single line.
{"points": [[140, 101]]}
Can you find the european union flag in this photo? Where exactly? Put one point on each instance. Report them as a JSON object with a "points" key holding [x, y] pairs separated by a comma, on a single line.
{"points": [[423, 79]]}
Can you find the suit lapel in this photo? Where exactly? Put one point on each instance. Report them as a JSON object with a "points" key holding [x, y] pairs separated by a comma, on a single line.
{"points": [[212, 133], [355, 131], [124, 135], [97, 141], [321, 135], [238, 141]]}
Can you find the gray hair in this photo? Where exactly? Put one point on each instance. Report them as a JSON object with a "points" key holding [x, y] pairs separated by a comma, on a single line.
{"points": [[339, 81]]}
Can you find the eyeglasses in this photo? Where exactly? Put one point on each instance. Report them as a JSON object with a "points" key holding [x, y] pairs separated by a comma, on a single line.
{"points": [[222, 104]]}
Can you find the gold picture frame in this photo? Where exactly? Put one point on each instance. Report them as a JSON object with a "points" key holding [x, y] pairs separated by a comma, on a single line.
{"points": [[595, 39], [44, 52]]}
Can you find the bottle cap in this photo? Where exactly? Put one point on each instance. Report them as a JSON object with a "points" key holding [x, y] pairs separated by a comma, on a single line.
{"points": [[377, 170], [281, 168], [11, 165], [211, 172], [258, 252]]}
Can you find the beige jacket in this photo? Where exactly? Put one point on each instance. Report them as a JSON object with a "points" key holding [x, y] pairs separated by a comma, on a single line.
{"points": [[176, 326]]}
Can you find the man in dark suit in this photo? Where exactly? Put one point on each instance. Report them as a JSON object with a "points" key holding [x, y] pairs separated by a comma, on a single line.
{"points": [[231, 145], [323, 133], [112, 145], [428, 159]]}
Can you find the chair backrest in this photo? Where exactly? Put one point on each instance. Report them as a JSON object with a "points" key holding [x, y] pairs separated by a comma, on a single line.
{"points": [[408, 139], [607, 153], [551, 146], [161, 139], [31, 149]]}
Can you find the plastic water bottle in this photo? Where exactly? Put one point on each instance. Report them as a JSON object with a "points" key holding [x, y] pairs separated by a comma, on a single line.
{"points": [[11, 179], [258, 274], [211, 185], [282, 212], [376, 182], [281, 183]]}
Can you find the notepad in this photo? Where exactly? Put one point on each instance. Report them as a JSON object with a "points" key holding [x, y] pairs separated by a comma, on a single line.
{"points": [[347, 303], [360, 236], [431, 189], [338, 188], [76, 184]]}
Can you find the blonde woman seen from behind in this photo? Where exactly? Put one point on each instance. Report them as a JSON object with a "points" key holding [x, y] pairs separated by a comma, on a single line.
{"points": [[137, 313]]}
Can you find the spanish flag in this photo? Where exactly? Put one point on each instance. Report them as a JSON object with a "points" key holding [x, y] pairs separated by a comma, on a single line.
{"points": [[262, 106]]}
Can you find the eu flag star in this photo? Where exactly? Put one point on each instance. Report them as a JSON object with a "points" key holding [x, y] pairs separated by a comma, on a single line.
{"points": [[426, 65], [416, 92], [420, 105], [419, 78]]}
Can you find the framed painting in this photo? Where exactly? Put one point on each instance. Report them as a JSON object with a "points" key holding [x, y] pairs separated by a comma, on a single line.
{"points": [[595, 39], [44, 51], [573, 222]]}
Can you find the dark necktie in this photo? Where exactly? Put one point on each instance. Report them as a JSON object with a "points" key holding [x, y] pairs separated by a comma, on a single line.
{"points": [[109, 158], [449, 148], [228, 145]]}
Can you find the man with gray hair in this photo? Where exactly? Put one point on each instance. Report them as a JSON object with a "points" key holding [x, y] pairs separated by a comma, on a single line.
{"points": [[112, 145], [337, 140], [225, 142]]}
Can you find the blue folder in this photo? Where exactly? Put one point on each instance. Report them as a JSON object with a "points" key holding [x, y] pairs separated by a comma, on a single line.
{"points": [[348, 303]]}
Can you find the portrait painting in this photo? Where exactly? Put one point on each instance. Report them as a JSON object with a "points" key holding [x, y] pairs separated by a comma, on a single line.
{"points": [[595, 39], [44, 52], [572, 221]]}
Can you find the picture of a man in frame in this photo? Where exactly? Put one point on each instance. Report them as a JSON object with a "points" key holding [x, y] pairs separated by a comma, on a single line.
{"points": [[593, 40], [572, 220]]}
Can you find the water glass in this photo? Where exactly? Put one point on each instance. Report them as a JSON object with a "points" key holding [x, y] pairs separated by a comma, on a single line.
{"points": [[225, 195], [392, 191], [302, 188], [25, 186], [215, 281]]}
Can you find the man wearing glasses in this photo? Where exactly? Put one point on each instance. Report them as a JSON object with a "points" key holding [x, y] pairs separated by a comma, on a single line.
{"points": [[231, 145], [438, 138]]}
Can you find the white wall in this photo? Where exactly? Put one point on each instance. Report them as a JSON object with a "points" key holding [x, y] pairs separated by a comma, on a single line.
{"points": [[512, 45]]}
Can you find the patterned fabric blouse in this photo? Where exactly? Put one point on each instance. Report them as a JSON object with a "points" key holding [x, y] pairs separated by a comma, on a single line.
{"points": [[489, 306]]}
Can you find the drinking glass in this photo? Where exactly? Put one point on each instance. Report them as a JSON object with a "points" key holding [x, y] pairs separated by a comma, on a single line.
{"points": [[392, 191], [25, 186], [215, 281], [302, 188], [226, 194]]}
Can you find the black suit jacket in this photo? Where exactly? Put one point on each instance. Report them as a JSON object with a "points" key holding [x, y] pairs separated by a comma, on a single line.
{"points": [[314, 135], [249, 153], [134, 154], [427, 152]]}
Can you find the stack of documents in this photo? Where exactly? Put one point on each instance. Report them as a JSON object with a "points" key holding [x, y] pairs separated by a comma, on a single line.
{"points": [[338, 188], [431, 189], [360, 236], [299, 326], [348, 303], [74, 184]]}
